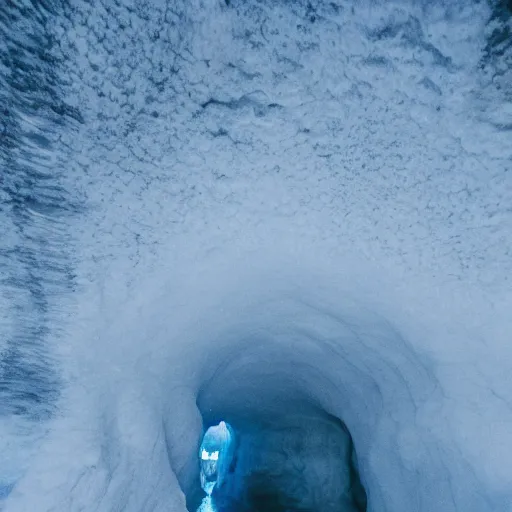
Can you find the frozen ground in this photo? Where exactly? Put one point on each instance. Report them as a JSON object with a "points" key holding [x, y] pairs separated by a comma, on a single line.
{"points": [[245, 209]]}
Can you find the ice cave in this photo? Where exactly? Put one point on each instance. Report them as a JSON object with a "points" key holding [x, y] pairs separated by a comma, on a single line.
{"points": [[255, 256]]}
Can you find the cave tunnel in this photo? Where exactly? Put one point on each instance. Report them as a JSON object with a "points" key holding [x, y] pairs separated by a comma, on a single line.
{"points": [[285, 454], [329, 401], [276, 399], [289, 216], [304, 461]]}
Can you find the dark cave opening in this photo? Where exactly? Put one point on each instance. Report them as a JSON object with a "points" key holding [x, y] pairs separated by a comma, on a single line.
{"points": [[296, 464]]}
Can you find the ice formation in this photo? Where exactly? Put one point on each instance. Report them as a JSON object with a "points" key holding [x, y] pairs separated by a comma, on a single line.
{"points": [[282, 214]]}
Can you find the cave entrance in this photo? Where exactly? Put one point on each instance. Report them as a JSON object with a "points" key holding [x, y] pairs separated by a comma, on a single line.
{"points": [[215, 455], [295, 463], [285, 451]]}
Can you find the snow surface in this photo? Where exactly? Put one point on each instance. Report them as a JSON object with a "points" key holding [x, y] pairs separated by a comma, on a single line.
{"points": [[243, 209]]}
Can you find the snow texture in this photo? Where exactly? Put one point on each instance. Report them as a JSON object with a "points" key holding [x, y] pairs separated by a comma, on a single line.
{"points": [[242, 210]]}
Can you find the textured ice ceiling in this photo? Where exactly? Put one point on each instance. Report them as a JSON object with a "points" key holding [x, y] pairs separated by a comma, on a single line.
{"points": [[240, 208]]}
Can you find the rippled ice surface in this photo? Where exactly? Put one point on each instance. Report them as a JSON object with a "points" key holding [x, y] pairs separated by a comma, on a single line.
{"points": [[141, 141]]}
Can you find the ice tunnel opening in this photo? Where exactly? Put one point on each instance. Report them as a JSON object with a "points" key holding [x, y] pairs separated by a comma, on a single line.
{"points": [[270, 446], [215, 455], [342, 377]]}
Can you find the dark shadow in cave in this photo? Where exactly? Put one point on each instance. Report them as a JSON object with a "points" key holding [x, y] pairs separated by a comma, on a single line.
{"points": [[280, 469]]}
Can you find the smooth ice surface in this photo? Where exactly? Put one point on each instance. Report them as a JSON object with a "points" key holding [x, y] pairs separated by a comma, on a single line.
{"points": [[309, 199]]}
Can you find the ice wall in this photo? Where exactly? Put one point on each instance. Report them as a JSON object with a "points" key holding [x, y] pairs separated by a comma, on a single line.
{"points": [[298, 462], [283, 206]]}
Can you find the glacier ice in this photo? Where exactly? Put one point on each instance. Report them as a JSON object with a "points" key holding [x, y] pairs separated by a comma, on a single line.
{"points": [[298, 462], [217, 450], [281, 214]]}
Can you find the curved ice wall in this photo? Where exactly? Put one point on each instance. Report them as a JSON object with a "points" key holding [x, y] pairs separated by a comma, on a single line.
{"points": [[309, 198]]}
